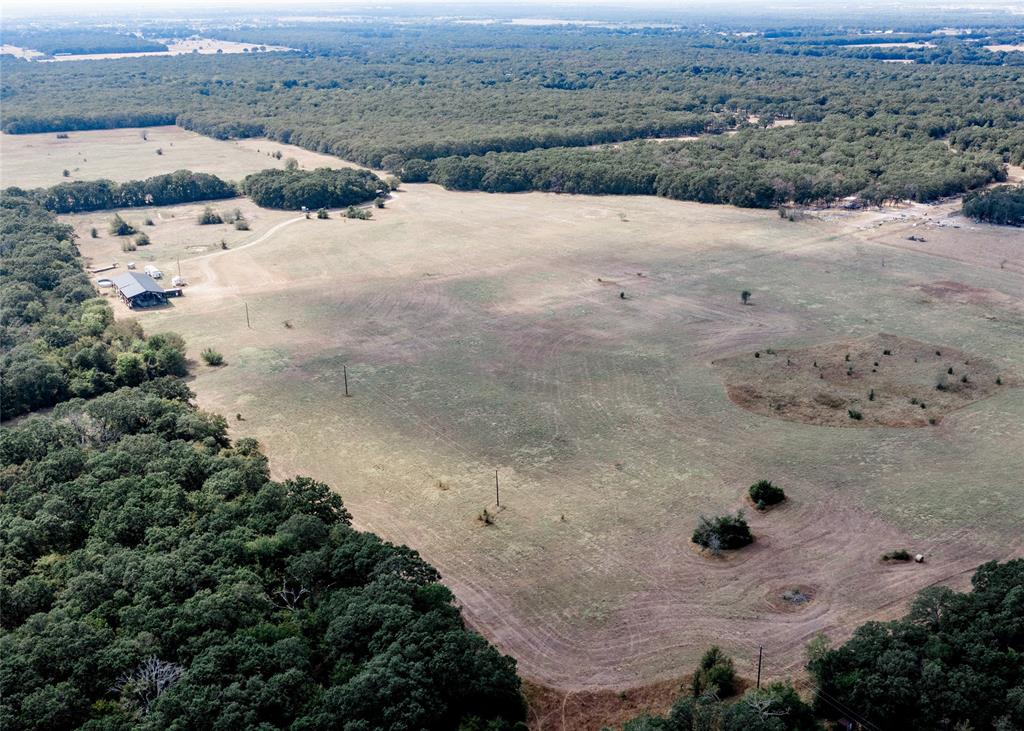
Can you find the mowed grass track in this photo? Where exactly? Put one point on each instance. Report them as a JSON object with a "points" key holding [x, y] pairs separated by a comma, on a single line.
{"points": [[478, 336]]}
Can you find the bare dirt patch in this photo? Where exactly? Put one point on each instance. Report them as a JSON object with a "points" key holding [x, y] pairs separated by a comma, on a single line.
{"points": [[883, 380]]}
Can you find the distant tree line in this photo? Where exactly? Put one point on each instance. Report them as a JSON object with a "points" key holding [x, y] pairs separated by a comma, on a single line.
{"points": [[320, 188], [59, 341], [381, 91], [818, 163], [183, 186], [80, 41], [1003, 204]]}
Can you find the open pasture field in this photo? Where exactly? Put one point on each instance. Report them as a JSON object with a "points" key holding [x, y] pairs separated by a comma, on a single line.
{"points": [[486, 332], [39, 160]]}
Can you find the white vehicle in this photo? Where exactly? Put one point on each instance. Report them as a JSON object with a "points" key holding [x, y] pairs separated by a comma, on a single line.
{"points": [[154, 272]]}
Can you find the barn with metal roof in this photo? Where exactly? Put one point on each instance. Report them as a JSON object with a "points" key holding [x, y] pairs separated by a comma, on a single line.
{"points": [[141, 290]]}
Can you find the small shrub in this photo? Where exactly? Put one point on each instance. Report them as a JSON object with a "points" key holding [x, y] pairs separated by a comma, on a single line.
{"points": [[358, 213], [900, 554], [724, 532], [323, 214], [120, 227], [949, 370], [745, 296], [241, 224], [379, 202], [148, 222], [999, 379], [94, 233], [964, 379], [854, 414], [763, 492], [715, 673], [142, 239], [159, 151], [128, 245], [209, 216], [871, 395], [62, 135], [886, 352], [223, 245], [485, 517], [66, 173], [212, 357]]}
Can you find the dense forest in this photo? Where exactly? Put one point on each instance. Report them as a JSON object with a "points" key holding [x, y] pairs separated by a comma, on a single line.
{"points": [[387, 94], [156, 577], [183, 186], [1003, 204], [320, 188], [80, 41], [954, 661], [59, 340]]}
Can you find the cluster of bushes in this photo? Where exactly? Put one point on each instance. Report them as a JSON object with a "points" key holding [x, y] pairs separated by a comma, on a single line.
{"points": [[312, 189], [1003, 205], [183, 186], [723, 532], [60, 341], [155, 576], [775, 707]]}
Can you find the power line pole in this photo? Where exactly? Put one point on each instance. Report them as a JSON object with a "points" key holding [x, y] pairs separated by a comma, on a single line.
{"points": [[760, 650], [497, 495], [247, 324], [344, 370]]}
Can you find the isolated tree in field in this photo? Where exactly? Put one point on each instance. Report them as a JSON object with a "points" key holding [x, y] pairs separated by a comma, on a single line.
{"points": [[291, 164], [715, 673], [379, 202], [727, 532], [142, 239], [745, 296], [94, 233], [120, 227], [764, 493], [323, 214]]}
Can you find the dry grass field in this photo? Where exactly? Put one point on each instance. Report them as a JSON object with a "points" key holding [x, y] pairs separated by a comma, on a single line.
{"points": [[39, 160], [486, 332]]}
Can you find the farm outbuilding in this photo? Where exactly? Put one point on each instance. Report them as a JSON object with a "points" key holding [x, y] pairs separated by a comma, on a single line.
{"points": [[141, 290]]}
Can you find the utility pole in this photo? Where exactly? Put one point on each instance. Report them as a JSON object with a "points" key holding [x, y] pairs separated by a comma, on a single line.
{"points": [[497, 495], [760, 650], [344, 370], [247, 324], [179, 267]]}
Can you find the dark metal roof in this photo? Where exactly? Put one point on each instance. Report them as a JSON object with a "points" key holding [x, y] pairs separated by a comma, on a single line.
{"points": [[132, 284]]}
